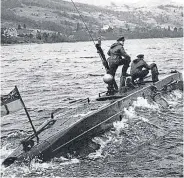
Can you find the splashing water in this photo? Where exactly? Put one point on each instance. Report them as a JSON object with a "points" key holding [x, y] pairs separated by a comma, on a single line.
{"points": [[132, 133], [120, 125], [5, 150], [102, 141], [137, 130], [133, 148], [142, 102]]}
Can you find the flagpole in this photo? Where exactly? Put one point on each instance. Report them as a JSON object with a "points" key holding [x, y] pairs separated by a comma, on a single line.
{"points": [[34, 130]]}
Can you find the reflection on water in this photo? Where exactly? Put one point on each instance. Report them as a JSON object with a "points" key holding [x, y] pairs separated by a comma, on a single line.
{"points": [[147, 142]]}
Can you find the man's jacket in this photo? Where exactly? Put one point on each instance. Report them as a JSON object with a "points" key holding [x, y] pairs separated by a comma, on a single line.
{"points": [[137, 66], [117, 49], [116, 52]]}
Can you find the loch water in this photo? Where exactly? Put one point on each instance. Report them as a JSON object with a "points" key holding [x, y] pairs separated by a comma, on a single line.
{"points": [[148, 142]]}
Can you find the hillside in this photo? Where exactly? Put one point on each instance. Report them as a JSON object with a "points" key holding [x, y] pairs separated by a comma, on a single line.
{"points": [[60, 16], [54, 15], [152, 16]]}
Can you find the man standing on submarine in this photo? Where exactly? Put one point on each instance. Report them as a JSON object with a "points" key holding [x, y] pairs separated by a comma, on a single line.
{"points": [[118, 57]]}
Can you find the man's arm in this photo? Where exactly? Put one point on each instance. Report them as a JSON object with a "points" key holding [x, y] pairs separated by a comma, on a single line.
{"points": [[109, 53], [146, 65], [123, 53]]}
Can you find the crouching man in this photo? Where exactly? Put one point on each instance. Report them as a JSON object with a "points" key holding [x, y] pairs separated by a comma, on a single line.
{"points": [[140, 69]]}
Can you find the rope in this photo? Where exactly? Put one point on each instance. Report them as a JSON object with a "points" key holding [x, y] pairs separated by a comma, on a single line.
{"points": [[83, 22], [72, 103]]}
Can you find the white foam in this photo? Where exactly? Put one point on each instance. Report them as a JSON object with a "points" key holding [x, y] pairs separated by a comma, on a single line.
{"points": [[102, 141], [178, 94], [173, 97], [120, 125], [112, 136], [115, 136], [130, 112], [5, 151], [142, 102], [36, 166], [96, 154], [15, 170], [60, 159], [17, 134], [70, 161], [144, 119]]}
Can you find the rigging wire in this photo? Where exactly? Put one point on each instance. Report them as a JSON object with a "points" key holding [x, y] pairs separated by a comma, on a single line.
{"points": [[98, 45], [83, 22]]}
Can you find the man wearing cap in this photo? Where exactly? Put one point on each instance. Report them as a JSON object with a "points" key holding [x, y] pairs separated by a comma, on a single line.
{"points": [[140, 69], [116, 52]]}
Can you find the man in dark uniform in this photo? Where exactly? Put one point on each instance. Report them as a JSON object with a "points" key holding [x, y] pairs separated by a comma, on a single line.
{"points": [[140, 69], [116, 52]]}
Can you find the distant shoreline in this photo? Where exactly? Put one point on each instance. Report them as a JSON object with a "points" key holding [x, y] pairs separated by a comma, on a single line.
{"points": [[41, 42]]}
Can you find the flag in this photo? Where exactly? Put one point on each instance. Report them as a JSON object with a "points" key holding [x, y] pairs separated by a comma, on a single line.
{"points": [[11, 102]]}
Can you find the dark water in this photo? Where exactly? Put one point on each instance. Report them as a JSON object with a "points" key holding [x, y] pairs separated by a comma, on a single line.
{"points": [[147, 142]]}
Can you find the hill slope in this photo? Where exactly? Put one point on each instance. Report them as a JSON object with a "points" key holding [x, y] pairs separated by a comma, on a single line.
{"points": [[61, 16]]}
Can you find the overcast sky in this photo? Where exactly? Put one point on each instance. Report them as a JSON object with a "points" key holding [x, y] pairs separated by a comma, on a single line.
{"points": [[118, 2]]}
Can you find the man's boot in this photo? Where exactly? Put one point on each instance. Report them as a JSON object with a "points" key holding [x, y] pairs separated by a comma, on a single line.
{"points": [[115, 85], [122, 84], [129, 83], [155, 78], [154, 72], [110, 90], [141, 81]]}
